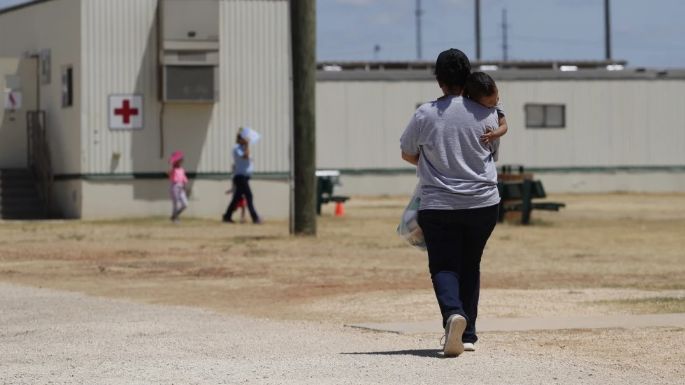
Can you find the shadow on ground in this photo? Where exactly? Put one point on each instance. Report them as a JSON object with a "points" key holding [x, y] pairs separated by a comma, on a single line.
{"points": [[429, 353]]}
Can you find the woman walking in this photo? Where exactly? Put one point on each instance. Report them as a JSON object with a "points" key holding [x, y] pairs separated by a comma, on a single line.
{"points": [[242, 172], [459, 197]]}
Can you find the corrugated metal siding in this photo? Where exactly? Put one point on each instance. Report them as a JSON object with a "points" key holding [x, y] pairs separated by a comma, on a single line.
{"points": [[359, 124], [255, 81], [608, 123], [120, 56]]}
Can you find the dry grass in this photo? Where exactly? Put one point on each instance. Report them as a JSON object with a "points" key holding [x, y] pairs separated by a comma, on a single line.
{"points": [[619, 241], [648, 305]]}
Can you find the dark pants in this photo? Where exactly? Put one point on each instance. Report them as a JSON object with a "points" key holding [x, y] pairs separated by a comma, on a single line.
{"points": [[455, 240], [241, 188]]}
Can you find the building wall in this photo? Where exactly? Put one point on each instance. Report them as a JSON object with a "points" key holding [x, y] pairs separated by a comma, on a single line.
{"points": [[67, 198], [110, 198], [404, 183], [52, 25], [608, 123], [112, 46], [120, 57], [359, 123], [622, 130]]}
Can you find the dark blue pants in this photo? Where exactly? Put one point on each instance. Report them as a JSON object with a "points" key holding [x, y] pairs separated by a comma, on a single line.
{"points": [[455, 240], [241, 188]]}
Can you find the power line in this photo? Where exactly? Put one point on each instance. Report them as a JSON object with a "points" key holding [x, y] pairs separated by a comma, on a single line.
{"points": [[505, 44], [477, 24], [419, 14], [607, 31]]}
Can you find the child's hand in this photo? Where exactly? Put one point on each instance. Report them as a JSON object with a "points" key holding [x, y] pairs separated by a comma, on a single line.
{"points": [[489, 136]]}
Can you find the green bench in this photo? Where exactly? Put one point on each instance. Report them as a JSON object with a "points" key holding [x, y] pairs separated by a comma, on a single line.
{"points": [[326, 180], [519, 195]]}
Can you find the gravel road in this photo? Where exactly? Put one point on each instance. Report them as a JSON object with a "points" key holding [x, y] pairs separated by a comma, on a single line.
{"points": [[56, 337]]}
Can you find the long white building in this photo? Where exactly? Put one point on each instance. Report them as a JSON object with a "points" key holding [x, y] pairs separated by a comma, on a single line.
{"points": [[589, 130], [117, 86]]}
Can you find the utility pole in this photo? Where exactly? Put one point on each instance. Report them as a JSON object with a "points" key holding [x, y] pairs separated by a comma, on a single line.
{"points": [[478, 30], [505, 42], [419, 13], [303, 42], [607, 30]]}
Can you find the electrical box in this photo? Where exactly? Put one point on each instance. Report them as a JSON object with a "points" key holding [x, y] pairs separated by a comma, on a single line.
{"points": [[189, 50]]}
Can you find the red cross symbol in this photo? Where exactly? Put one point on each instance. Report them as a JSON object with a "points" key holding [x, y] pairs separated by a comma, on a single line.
{"points": [[126, 111]]}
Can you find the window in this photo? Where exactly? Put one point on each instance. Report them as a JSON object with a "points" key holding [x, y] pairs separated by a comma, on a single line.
{"points": [[190, 83], [67, 86], [545, 115]]}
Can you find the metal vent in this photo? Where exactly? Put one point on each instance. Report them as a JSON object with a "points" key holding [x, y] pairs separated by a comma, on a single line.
{"points": [[189, 50], [189, 83]]}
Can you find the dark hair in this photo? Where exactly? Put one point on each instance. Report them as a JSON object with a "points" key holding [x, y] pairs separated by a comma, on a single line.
{"points": [[452, 67], [479, 85]]}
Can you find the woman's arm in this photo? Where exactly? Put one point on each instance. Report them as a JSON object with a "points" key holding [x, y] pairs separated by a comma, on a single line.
{"points": [[409, 142]]}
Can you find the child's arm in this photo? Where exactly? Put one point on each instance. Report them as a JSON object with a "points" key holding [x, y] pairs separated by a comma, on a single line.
{"points": [[491, 135]]}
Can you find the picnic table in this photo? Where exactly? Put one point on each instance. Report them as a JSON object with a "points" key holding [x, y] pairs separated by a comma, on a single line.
{"points": [[517, 194]]}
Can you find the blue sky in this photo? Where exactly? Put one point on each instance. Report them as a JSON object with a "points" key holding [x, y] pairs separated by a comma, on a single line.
{"points": [[647, 33]]}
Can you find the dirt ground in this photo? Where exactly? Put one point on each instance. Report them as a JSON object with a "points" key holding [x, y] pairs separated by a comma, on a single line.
{"points": [[602, 254]]}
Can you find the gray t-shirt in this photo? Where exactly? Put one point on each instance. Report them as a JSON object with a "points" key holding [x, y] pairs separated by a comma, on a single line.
{"points": [[456, 170]]}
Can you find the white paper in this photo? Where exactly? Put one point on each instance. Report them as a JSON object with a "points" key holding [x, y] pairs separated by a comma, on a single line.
{"points": [[250, 135]]}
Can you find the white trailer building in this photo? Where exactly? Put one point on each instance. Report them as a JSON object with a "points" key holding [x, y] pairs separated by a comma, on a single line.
{"points": [[589, 130], [122, 84]]}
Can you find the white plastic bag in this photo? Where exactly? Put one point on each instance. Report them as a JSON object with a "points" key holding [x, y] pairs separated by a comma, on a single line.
{"points": [[250, 135], [409, 228]]}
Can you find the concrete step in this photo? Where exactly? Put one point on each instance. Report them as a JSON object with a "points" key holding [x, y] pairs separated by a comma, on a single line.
{"points": [[10, 193], [22, 214], [19, 198], [15, 184]]}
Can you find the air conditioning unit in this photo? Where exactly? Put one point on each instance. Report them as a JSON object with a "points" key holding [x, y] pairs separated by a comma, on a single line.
{"points": [[189, 51]]}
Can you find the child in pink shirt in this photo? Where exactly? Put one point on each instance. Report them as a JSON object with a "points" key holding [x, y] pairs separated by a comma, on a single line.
{"points": [[178, 180]]}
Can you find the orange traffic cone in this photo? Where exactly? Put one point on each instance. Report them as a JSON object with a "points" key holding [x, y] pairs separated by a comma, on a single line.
{"points": [[339, 209]]}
